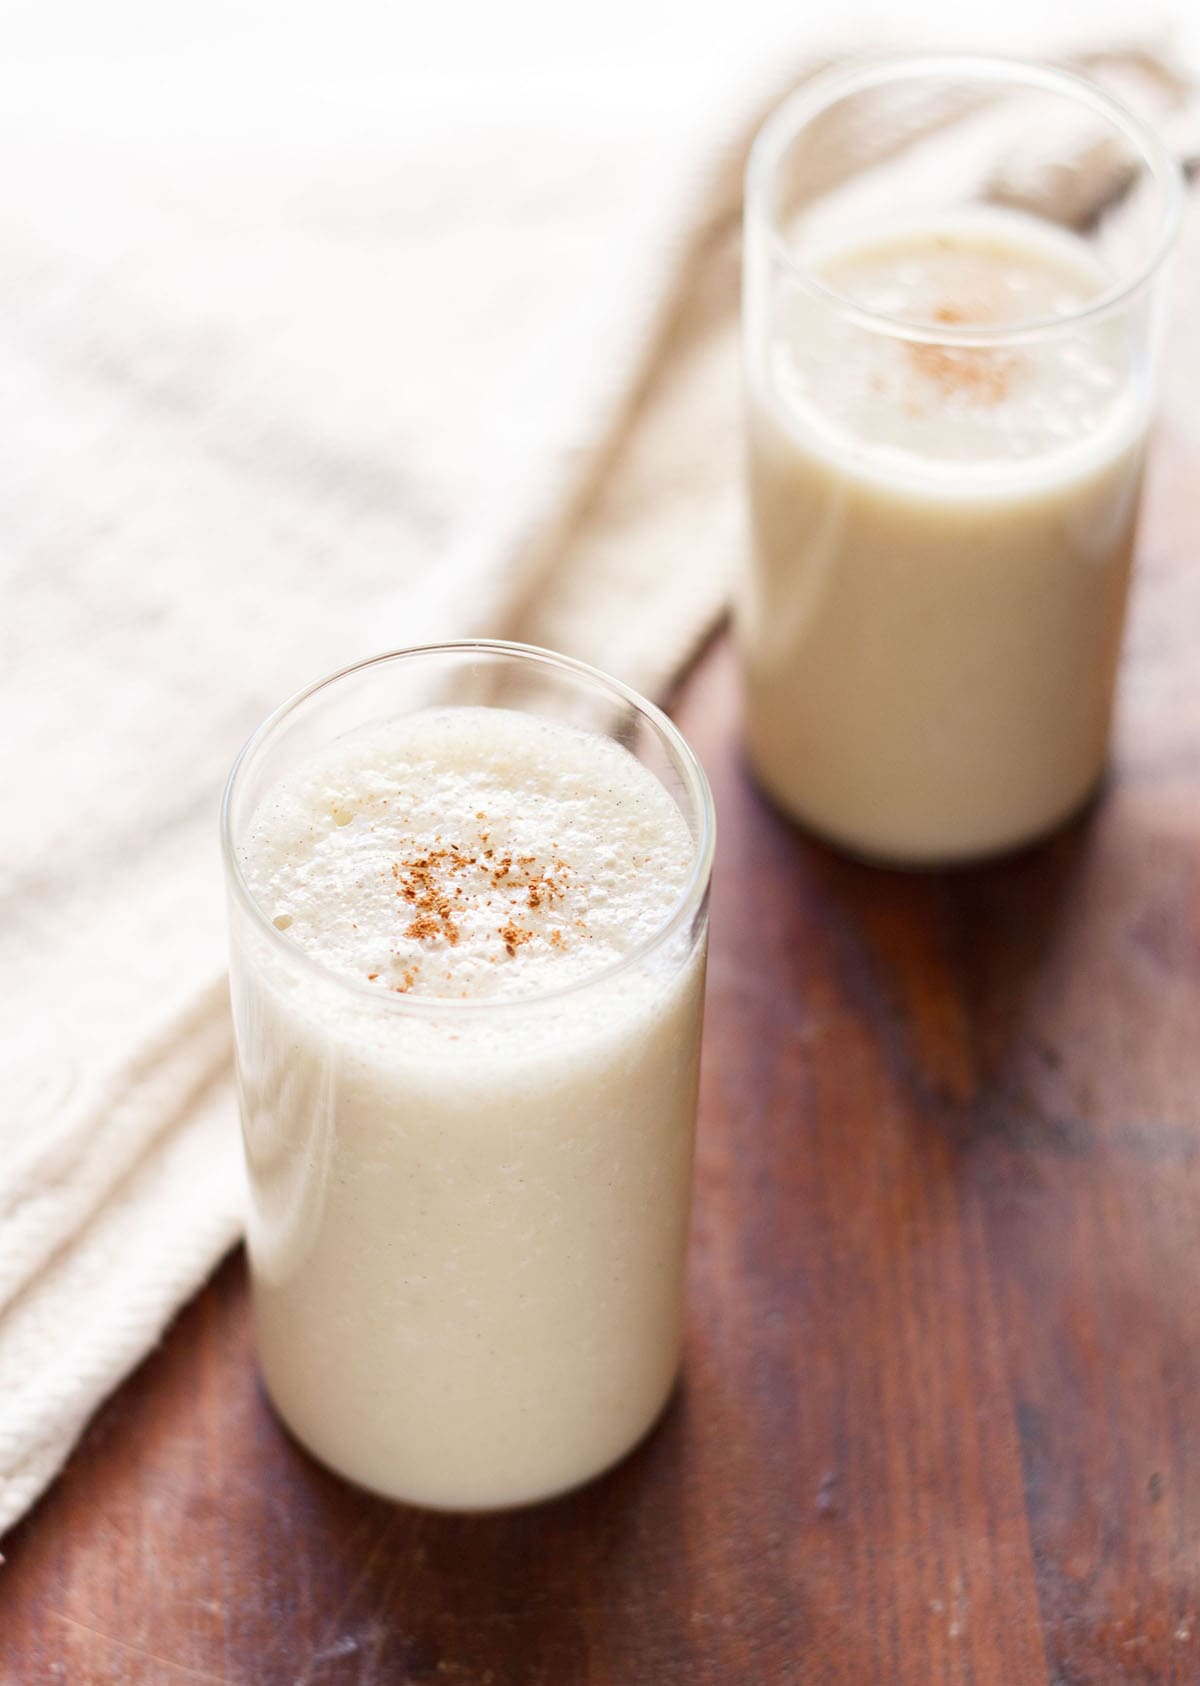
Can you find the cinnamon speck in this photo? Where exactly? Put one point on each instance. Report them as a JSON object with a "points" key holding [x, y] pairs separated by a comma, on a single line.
{"points": [[440, 883], [979, 373], [424, 925], [513, 935]]}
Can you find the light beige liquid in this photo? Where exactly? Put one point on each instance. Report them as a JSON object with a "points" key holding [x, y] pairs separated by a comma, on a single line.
{"points": [[469, 1198], [942, 540]]}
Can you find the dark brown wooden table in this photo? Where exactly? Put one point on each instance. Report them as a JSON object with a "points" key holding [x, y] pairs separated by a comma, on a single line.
{"points": [[941, 1414]]}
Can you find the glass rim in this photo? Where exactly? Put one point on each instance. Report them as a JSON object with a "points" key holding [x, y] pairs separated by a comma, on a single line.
{"points": [[830, 86], [683, 909]]}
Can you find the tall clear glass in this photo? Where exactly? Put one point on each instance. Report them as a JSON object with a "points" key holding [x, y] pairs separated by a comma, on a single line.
{"points": [[953, 302], [468, 1217]]}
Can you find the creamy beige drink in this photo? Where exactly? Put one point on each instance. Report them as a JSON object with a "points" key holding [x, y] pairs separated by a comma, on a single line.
{"points": [[468, 1079], [942, 541]]}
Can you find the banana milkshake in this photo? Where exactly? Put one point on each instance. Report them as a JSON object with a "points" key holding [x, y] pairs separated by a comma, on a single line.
{"points": [[953, 300], [468, 979], [942, 543]]}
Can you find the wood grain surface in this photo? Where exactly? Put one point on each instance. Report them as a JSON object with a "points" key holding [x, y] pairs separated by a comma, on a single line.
{"points": [[941, 1414]]}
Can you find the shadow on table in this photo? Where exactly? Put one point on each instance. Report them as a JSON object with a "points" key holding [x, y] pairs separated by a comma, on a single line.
{"points": [[963, 976]]}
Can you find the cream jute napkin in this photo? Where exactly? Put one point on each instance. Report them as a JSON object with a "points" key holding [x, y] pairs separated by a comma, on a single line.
{"points": [[289, 385]]}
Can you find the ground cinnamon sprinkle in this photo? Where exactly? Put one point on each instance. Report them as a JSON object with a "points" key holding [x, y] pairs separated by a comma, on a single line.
{"points": [[513, 935], [422, 887], [975, 372], [425, 883], [425, 925], [543, 888], [409, 978]]}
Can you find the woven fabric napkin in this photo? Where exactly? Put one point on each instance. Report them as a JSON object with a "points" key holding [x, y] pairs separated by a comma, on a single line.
{"points": [[292, 385]]}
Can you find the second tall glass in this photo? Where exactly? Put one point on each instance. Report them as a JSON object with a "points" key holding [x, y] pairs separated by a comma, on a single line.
{"points": [[953, 291]]}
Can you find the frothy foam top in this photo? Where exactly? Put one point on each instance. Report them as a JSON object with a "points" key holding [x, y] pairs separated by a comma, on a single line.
{"points": [[986, 268], [468, 852]]}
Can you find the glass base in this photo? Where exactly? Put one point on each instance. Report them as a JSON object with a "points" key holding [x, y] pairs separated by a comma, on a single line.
{"points": [[868, 853], [430, 1498]]}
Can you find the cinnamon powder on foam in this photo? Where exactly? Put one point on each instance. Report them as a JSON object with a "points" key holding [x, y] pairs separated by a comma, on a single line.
{"points": [[975, 372], [430, 883]]}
